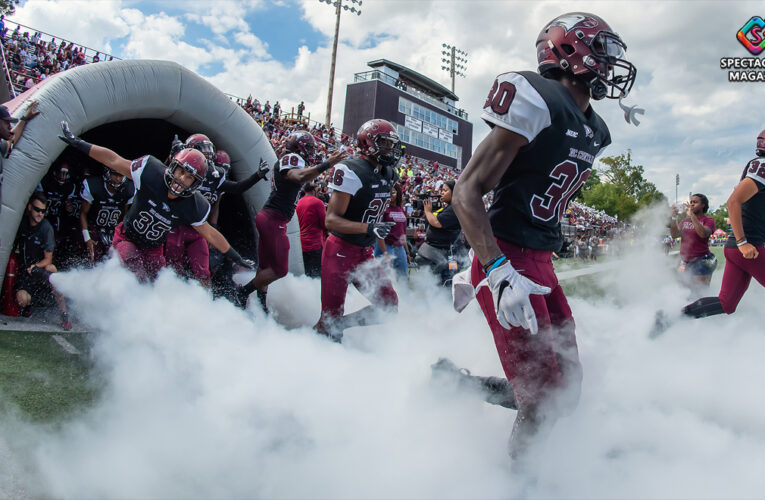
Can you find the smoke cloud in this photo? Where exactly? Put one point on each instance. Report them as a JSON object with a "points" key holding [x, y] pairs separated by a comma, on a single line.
{"points": [[204, 400]]}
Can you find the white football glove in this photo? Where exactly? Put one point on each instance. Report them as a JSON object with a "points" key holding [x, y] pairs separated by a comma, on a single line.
{"points": [[511, 292]]}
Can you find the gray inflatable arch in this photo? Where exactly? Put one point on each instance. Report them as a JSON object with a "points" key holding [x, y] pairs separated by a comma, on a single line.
{"points": [[106, 92]]}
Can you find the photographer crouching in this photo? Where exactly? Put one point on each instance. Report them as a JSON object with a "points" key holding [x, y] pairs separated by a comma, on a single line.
{"points": [[443, 231]]}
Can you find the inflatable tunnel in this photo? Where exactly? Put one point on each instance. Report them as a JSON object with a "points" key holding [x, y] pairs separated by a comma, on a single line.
{"points": [[98, 99]]}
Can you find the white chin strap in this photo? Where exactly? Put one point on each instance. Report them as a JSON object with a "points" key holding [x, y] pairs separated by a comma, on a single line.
{"points": [[630, 112]]}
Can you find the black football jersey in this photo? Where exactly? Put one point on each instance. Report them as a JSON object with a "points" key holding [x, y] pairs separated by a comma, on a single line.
{"points": [[153, 214], [57, 194], [753, 209], [370, 192], [106, 207], [210, 187], [532, 196], [284, 192]]}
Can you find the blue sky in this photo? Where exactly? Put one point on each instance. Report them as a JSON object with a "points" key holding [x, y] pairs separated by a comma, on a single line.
{"points": [[279, 24]]}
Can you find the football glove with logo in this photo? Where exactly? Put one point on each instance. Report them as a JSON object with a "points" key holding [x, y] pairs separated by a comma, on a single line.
{"points": [[511, 292]]}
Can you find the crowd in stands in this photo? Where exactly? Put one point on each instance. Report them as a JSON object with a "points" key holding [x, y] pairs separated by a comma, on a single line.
{"points": [[30, 58], [420, 187]]}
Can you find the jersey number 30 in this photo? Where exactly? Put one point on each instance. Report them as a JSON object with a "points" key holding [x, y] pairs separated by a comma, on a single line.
{"points": [[566, 180], [500, 97]]}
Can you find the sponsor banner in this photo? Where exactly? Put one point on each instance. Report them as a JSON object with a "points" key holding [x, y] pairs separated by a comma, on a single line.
{"points": [[413, 123], [446, 136], [430, 129]]}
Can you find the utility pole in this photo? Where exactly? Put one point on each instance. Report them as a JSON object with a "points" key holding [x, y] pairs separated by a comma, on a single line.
{"points": [[339, 7]]}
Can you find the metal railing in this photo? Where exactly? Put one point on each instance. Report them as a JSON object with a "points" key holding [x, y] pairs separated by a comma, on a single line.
{"points": [[409, 89], [59, 40], [7, 73]]}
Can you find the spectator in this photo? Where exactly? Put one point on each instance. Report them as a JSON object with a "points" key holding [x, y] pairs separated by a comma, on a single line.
{"points": [[311, 214], [8, 137], [395, 243], [443, 232], [34, 249], [300, 109], [697, 263]]}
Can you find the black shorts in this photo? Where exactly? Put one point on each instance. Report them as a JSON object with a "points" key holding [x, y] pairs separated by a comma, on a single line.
{"points": [[35, 284]]}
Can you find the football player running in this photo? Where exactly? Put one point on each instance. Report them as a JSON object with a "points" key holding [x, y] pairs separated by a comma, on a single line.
{"points": [[745, 248], [104, 202], [361, 191], [290, 173], [184, 245], [165, 197], [544, 138]]}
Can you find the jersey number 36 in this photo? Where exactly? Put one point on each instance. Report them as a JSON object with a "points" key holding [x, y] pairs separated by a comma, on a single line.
{"points": [[566, 180]]}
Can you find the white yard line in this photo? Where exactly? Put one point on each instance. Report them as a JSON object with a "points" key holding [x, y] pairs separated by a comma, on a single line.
{"points": [[65, 345], [596, 268]]}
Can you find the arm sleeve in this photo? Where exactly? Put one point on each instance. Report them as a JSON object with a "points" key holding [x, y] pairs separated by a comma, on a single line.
{"points": [[290, 161], [516, 106], [201, 210], [241, 186], [345, 180], [136, 170]]}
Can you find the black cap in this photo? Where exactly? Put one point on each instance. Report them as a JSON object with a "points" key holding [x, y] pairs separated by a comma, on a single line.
{"points": [[5, 115], [451, 185]]}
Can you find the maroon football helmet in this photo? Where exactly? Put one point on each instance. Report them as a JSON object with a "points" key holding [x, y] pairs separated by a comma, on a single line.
{"points": [[191, 161], [223, 160], [761, 144], [302, 143], [379, 141], [203, 144], [585, 46]]}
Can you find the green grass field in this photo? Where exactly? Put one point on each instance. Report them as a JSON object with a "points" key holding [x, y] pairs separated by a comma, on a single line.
{"points": [[46, 383], [42, 380]]}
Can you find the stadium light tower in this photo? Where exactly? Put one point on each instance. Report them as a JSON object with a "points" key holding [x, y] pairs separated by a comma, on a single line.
{"points": [[339, 7], [455, 61]]}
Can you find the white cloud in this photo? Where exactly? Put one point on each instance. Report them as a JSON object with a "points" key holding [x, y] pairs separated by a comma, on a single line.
{"points": [[676, 47]]}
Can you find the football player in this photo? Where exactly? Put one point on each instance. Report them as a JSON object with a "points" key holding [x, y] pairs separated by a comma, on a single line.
{"points": [[184, 245], [165, 197], [745, 248], [361, 191], [59, 188], [104, 202], [544, 138], [223, 163], [291, 172]]}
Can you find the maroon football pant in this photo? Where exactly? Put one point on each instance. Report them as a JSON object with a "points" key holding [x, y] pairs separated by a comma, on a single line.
{"points": [[273, 243], [343, 263], [185, 246], [737, 275], [145, 263], [535, 365]]}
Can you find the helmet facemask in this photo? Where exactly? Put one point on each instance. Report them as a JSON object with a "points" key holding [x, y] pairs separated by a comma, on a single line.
{"points": [[62, 175], [760, 151], [388, 150], [612, 75], [108, 173], [174, 184]]}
